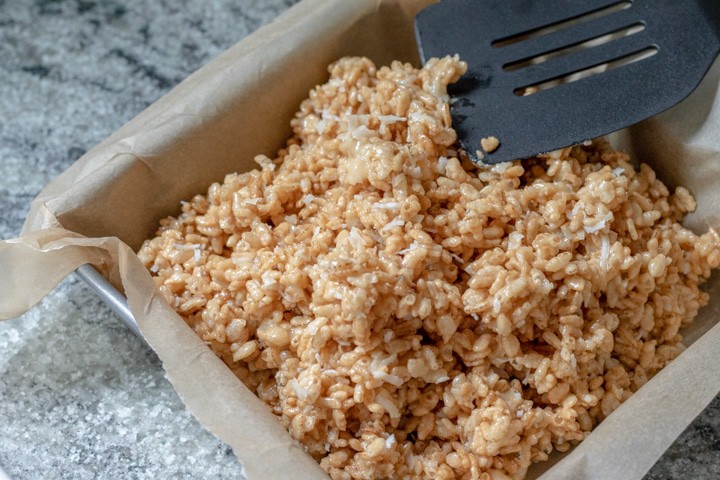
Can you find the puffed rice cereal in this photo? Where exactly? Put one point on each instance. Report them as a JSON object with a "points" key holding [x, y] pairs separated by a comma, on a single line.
{"points": [[408, 314]]}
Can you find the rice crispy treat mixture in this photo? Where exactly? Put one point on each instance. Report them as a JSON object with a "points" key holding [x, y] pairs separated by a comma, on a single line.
{"points": [[410, 315]]}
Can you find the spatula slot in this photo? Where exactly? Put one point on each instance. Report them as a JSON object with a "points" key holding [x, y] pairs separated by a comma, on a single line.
{"points": [[586, 72], [561, 52], [561, 24]]}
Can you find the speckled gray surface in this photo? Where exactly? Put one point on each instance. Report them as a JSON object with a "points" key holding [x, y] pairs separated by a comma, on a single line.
{"points": [[80, 397]]}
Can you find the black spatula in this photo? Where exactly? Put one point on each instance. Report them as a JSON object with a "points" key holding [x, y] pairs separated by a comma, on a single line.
{"points": [[545, 74]]}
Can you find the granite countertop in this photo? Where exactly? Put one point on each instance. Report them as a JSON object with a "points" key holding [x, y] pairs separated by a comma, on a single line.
{"points": [[80, 396]]}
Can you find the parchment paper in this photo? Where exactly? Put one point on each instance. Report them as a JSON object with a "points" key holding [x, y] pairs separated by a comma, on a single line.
{"points": [[101, 209]]}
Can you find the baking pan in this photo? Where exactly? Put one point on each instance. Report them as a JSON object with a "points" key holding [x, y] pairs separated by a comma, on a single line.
{"points": [[110, 295]]}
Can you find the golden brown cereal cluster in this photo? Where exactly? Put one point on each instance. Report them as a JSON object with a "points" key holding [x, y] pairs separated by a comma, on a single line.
{"points": [[409, 315]]}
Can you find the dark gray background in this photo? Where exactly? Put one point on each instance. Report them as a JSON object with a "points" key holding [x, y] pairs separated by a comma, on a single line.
{"points": [[80, 397]]}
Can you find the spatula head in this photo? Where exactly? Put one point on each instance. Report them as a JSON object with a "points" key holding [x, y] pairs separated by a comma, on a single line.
{"points": [[524, 57]]}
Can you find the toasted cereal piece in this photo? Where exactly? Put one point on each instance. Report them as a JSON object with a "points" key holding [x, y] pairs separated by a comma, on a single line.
{"points": [[490, 144]]}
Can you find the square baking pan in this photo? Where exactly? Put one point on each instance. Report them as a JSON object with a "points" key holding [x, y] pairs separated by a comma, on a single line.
{"points": [[110, 295]]}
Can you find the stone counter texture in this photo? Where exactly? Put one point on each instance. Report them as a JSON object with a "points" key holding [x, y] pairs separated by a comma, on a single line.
{"points": [[80, 396]]}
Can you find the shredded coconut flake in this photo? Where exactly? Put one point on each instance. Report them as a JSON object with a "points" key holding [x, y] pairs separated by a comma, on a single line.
{"points": [[357, 121], [268, 278], [398, 222], [599, 225], [410, 248], [390, 119], [388, 405], [442, 164], [189, 246], [298, 389], [362, 132], [604, 251], [387, 205], [328, 116], [416, 117], [355, 238], [501, 168]]}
